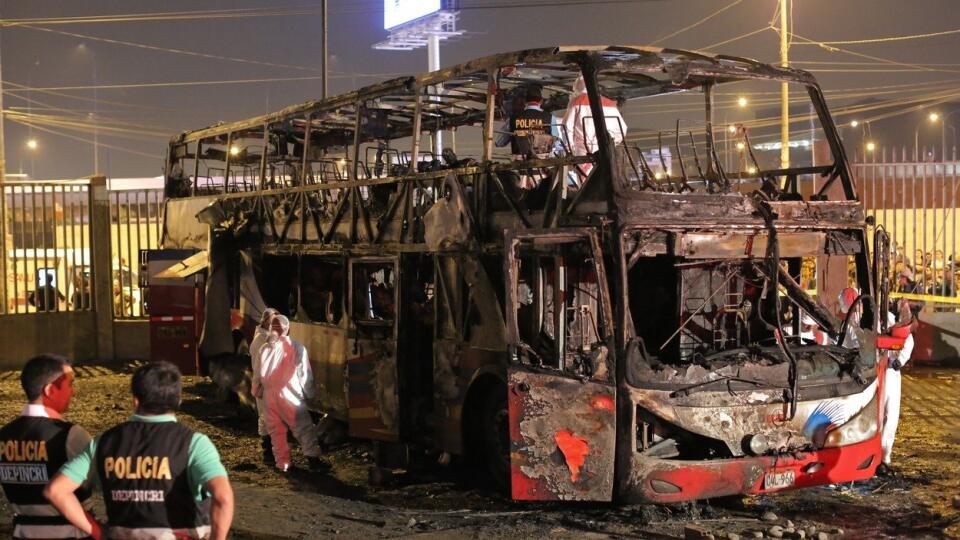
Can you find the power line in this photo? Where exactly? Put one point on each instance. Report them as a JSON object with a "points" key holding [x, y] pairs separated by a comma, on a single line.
{"points": [[164, 16], [888, 39], [170, 50], [85, 140], [191, 83], [832, 48], [88, 126], [737, 38], [696, 24], [309, 9], [15, 93]]}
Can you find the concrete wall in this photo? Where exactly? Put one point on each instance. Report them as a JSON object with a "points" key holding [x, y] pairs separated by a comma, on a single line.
{"points": [[131, 340], [72, 334]]}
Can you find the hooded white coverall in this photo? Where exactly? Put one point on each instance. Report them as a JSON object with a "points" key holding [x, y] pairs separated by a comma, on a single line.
{"points": [[891, 399], [579, 127], [284, 381], [259, 339]]}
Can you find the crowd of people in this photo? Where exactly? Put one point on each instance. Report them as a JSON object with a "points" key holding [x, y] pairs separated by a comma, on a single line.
{"points": [[929, 272]]}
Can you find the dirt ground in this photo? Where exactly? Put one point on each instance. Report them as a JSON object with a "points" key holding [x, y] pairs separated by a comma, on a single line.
{"points": [[914, 503]]}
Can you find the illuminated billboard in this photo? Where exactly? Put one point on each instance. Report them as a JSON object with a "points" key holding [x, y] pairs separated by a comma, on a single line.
{"points": [[397, 12]]}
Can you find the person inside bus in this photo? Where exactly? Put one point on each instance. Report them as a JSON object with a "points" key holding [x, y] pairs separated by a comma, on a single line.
{"points": [[529, 130], [578, 124], [529, 134]]}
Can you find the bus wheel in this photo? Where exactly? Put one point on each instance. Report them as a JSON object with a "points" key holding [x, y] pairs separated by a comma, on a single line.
{"points": [[496, 436]]}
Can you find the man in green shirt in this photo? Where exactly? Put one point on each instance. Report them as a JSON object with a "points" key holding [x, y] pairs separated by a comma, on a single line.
{"points": [[158, 477]]}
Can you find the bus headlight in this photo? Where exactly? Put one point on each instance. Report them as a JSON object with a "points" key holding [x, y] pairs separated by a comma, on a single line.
{"points": [[758, 444], [861, 427]]}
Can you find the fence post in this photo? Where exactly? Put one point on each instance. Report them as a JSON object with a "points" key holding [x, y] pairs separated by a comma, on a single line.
{"points": [[3, 241], [102, 265]]}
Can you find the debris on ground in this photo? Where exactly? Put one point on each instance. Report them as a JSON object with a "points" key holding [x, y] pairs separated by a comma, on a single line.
{"points": [[446, 501]]}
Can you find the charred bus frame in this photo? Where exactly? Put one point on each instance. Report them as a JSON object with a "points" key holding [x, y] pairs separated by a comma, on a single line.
{"points": [[530, 298]]}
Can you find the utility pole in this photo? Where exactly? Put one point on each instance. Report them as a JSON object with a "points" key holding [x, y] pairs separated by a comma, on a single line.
{"points": [[784, 87], [433, 64], [3, 209], [325, 29]]}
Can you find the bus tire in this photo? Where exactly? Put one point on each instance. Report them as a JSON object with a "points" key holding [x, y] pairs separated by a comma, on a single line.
{"points": [[495, 433]]}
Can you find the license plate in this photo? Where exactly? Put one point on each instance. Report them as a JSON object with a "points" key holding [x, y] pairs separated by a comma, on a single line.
{"points": [[779, 480]]}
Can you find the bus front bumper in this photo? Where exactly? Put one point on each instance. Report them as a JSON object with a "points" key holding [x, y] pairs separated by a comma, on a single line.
{"points": [[669, 480]]}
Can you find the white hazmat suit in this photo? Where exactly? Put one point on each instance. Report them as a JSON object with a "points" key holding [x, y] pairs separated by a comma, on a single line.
{"points": [[579, 128], [283, 379], [891, 396], [260, 336]]}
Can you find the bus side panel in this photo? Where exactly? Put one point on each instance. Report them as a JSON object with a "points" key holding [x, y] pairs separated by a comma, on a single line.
{"points": [[372, 394], [326, 344], [562, 438]]}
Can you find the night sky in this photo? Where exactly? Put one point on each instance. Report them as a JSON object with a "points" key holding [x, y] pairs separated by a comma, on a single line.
{"points": [[138, 121]]}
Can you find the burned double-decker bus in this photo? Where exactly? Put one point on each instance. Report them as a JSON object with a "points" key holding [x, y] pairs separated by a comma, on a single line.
{"points": [[635, 302]]}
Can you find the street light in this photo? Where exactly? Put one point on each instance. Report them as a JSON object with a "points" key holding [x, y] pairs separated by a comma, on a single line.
{"points": [[944, 126], [933, 117]]}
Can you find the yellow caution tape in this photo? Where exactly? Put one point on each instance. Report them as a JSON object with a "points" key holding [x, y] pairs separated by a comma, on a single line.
{"points": [[927, 298]]}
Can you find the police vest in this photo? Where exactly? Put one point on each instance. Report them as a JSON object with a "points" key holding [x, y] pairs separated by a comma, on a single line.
{"points": [[524, 126], [142, 468], [32, 450]]}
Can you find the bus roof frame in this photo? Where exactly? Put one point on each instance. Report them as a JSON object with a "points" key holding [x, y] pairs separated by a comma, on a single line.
{"points": [[686, 70]]}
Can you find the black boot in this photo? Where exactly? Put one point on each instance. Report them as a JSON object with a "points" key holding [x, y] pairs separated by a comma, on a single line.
{"points": [[267, 451]]}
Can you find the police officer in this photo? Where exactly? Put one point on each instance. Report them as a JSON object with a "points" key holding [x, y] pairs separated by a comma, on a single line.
{"points": [[526, 125], [158, 476], [34, 447]]}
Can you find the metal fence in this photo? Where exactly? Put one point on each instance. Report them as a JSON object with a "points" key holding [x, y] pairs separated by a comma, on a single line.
{"points": [[47, 243], [136, 218], [916, 202]]}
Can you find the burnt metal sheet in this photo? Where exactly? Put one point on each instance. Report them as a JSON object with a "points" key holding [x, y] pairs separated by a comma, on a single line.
{"points": [[715, 210], [736, 245], [186, 267], [181, 228], [562, 437], [326, 346]]}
